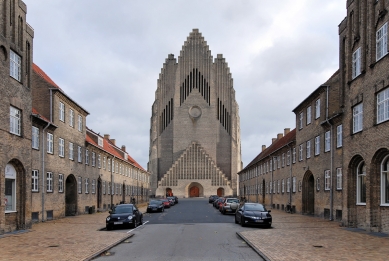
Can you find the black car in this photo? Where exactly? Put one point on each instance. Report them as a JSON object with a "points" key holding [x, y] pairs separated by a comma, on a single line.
{"points": [[124, 214], [174, 198], [155, 206], [253, 214], [212, 198]]}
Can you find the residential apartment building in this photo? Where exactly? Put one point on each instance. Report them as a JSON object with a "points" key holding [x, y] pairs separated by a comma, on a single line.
{"points": [[16, 43]]}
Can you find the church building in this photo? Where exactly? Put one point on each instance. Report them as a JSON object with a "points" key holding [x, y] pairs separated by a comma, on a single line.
{"points": [[195, 146]]}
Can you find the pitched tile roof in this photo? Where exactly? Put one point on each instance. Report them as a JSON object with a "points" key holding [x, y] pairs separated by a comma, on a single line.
{"points": [[42, 74], [275, 146]]}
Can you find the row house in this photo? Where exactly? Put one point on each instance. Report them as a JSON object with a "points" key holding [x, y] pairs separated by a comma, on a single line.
{"points": [[16, 42], [342, 137]]}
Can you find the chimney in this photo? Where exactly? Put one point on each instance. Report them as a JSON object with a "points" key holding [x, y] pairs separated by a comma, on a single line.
{"points": [[273, 140], [279, 136], [263, 147], [123, 148], [286, 131], [106, 136], [113, 141]]}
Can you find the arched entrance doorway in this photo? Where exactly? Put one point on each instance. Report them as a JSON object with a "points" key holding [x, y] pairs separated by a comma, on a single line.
{"points": [[308, 194], [99, 193], [71, 196], [195, 189], [169, 192], [220, 192]]}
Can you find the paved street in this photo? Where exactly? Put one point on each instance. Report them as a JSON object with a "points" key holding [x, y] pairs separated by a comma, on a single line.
{"points": [[293, 237]]}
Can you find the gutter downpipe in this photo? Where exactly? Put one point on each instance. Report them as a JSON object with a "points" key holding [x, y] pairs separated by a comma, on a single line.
{"points": [[112, 185], [331, 157], [290, 176]]}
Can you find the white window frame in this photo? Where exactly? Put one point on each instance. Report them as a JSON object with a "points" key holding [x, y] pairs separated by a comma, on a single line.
{"points": [[293, 184], [80, 123], [35, 138], [288, 158], [361, 183], [60, 182], [317, 109], [339, 179], [61, 147], [62, 111], [356, 63], [79, 154], [283, 186], [15, 121], [301, 119], [382, 42], [71, 118], [278, 186], [385, 181], [93, 158], [358, 118], [309, 115], [327, 143], [71, 151], [49, 181], [327, 179], [283, 159], [288, 185], [308, 149], [50, 143], [317, 145], [79, 185], [35, 181], [93, 186], [383, 106], [15, 65], [100, 141], [86, 185], [318, 184], [294, 155], [339, 137], [86, 157], [104, 160], [300, 152], [104, 187], [10, 200]]}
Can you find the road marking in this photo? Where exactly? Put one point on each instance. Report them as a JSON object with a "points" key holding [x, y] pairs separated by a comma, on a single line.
{"points": [[144, 223]]}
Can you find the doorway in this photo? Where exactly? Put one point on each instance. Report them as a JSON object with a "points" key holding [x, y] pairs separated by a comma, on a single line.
{"points": [[71, 196], [194, 192], [308, 194], [220, 192]]}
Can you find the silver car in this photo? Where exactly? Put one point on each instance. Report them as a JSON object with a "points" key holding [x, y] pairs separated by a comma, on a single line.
{"points": [[230, 205]]}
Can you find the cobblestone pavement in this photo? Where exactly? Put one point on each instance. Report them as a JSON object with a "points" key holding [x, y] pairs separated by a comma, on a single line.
{"points": [[298, 237]]}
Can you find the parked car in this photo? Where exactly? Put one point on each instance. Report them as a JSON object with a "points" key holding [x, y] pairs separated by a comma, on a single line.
{"points": [[166, 203], [174, 198], [155, 205], [212, 198], [171, 200], [229, 205], [253, 214], [124, 214], [217, 201]]}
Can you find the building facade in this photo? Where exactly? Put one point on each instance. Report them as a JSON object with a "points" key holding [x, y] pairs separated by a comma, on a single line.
{"points": [[195, 131], [16, 43]]}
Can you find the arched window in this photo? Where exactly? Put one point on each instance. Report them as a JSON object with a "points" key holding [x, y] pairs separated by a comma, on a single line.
{"points": [[385, 181], [361, 183]]}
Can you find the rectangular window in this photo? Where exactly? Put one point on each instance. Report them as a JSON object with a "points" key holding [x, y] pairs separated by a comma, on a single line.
{"points": [[327, 144], [278, 186], [100, 141], [60, 183], [309, 110], [278, 161], [104, 187], [317, 108], [104, 162], [87, 157], [288, 158], [283, 159], [61, 147], [308, 149], [50, 143], [86, 185], [15, 121], [49, 182], [294, 155], [382, 42], [383, 106], [35, 181], [99, 161], [79, 123], [79, 154], [35, 138], [93, 159], [109, 188], [339, 179], [327, 180], [71, 153], [300, 152], [288, 185], [93, 186], [357, 118], [356, 63], [15, 65], [71, 118], [301, 118], [339, 131], [293, 184], [10, 188], [61, 111], [283, 186], [109, 165], [317, 145]]}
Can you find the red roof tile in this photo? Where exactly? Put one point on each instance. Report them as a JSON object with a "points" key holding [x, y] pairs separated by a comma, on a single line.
{"points": [[36, 113], [42, 74]]}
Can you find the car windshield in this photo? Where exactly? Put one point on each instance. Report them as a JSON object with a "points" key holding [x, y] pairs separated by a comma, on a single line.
{"points": [[121, 210], [256, 207], [233, 200], [155, 202]]}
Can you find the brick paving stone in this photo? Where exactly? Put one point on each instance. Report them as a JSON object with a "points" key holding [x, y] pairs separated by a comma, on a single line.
{"points": [[298, 237]]}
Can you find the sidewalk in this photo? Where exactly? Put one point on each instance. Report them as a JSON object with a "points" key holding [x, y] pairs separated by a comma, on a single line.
{"points": [[70, 238], [298, 237]]}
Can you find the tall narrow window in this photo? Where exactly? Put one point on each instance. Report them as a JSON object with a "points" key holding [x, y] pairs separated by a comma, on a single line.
{"points": [[79, 154], [294, 155], [61, 147], [86, 185], [71, 118], [10, 188], [301, 119], [300, 152], [317, 145], [93, 186], [317, 108], [357, 118], [339, 139], [35, 138], [34, 181], [327, 144], [87, 157], [385, 181], [49, 143], [294, 184], [327, 180], [15, 65], [339, 178], [283, 186], [104, 184], [61, 111], [309, 115], [361, 183], [288, 185], [308, 149], [104, 159], [288, 158], [79, 123], [382, 42], [356, 66], [15, 121], [49, 182], [383, 106], [99, 161], [60, 183], [93, 159], [71, 153]]}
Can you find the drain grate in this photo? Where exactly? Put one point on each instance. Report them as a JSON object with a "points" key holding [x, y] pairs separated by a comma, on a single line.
{"points": [[318, 246]]}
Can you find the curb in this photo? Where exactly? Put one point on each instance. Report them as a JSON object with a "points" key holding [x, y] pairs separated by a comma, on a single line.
{"points": [[259, 252], [98, 253]]}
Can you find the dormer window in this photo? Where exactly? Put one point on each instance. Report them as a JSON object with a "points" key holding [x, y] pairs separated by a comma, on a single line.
{"points": [[100, 141]]}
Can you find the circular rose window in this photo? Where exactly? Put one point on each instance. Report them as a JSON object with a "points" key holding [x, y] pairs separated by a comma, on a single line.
{"points": [[195, 112]]}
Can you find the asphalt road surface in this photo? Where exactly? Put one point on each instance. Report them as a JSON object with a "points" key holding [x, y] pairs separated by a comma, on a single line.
{"points": [[190, 230]]}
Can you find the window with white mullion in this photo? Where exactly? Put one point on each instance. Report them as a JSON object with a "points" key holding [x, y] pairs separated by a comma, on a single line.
{"points": [[308, 149], [86, 185], [35, 181], [71, 153], [71, 118], [61, 111], [35, 138], [317, 108], [358, 118], [356, 63], [300, 152], [301, 118], [385, 181], [49, 182], [317, 145], [79, 158], [93, 186], [15, 121], [339, 137], [383, 106], [294, 155], [361, 183], [15, 65], [61, 147], [327, 180], [87, 157], [382, 42], [339, 179], [50, 141], [327, 144], [309, 112], [60, 183]]}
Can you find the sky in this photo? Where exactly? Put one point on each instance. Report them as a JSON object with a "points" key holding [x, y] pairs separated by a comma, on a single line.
{"points": [[107, 56]]}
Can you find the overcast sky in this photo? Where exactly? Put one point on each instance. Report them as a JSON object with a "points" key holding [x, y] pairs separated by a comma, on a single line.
{"points": [[107, 56]]}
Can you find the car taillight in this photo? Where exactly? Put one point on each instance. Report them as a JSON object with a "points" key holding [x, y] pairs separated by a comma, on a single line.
{"points": [[225, 204]]}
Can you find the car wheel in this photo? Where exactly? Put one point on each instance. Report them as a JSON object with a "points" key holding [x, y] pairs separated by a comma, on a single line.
{"points": [[141, 220], [223, 212], [108, 227], [268, 226], [242, 222]]}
